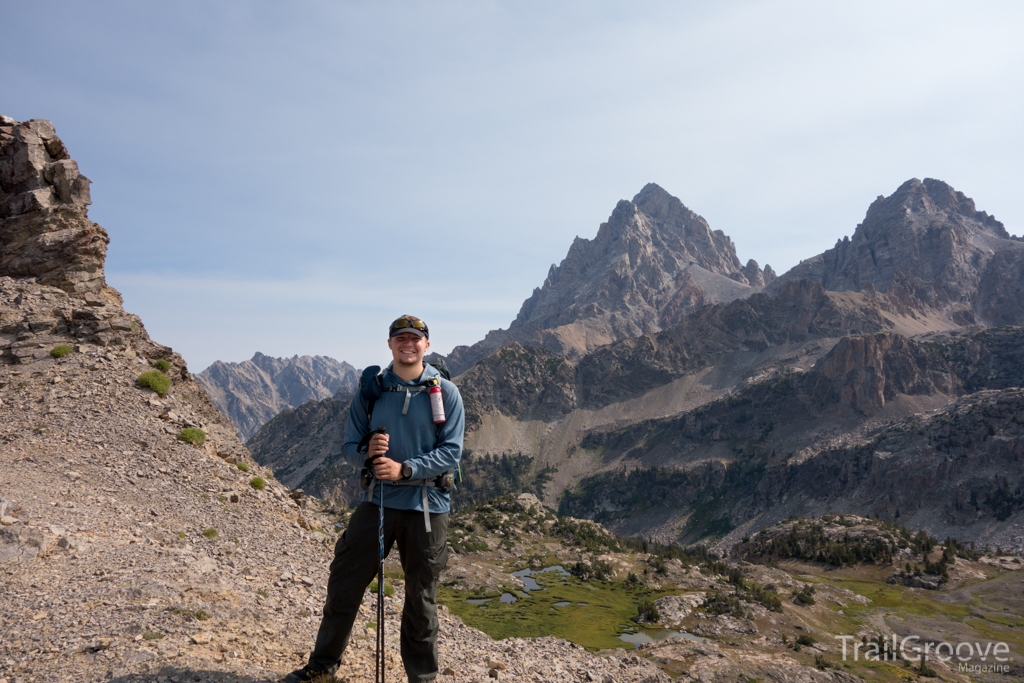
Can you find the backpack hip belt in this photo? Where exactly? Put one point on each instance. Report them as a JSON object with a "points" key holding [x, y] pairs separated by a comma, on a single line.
{"points": [[444, 481]]}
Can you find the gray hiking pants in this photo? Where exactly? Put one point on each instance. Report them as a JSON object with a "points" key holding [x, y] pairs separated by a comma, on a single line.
{"points": [[423, 557]]}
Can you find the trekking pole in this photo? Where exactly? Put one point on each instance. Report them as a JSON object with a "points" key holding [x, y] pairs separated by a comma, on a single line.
{"points": [[379, 677]]}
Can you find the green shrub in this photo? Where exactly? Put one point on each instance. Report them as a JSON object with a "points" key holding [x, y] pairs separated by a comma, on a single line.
{"points": [[195, 614], [258, 483], [155, 380], [467, 544], [162, 365], [152, 635], [61, 350], [210, 533], [262, 592], [805, 639], [598, 570], [718, 602], [805, 596], [191, 435], [647, 611], [243, 466], [389, 590], [765, 595]]}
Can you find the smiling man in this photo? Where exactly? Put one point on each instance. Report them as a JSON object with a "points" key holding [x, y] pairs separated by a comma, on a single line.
{"points": [[411, 456]]}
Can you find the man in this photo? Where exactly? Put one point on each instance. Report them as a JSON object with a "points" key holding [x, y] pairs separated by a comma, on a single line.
{"points": [[413, 450]]}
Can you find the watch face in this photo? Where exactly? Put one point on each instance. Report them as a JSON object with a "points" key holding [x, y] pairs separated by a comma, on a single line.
{"points": [[406, 471]]}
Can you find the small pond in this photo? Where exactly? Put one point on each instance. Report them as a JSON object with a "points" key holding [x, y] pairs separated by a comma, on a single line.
{"points": [[531, 583]]}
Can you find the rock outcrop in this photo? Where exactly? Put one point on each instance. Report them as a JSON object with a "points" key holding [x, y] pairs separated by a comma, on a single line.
{"points": [[252, 392], [651, 264], [44, 229]]}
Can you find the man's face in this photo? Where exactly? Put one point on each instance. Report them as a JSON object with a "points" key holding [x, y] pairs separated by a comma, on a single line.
{"points": [[408, 348]]}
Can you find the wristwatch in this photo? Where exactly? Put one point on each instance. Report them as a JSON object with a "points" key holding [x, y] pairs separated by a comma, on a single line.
{"points": [[406, 470]]}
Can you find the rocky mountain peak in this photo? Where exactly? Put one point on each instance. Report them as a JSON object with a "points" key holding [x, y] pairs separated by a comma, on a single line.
{"points": [[634, 267], [650, 264], [711, 249], [44, 229], [927, 243], [917, 205]]}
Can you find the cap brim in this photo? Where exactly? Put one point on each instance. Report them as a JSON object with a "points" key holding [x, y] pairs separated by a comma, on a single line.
{"points": [[411, 330]]}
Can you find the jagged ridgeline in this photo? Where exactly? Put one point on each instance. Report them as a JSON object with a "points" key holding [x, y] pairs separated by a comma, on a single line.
{"points": [[654, 383], [252, 392]]}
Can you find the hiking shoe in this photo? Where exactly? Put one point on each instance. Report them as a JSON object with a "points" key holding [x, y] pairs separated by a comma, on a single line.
{"points": [[308, 674]]}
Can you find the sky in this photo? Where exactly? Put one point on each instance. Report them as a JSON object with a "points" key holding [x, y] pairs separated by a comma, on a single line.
{"points": [[288, 177]]}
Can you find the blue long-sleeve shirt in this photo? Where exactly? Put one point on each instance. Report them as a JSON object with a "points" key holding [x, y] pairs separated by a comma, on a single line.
{"points": [[429, 449]]}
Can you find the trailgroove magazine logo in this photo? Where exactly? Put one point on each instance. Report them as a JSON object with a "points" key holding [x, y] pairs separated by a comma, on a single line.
{"points": [[970, 656]]}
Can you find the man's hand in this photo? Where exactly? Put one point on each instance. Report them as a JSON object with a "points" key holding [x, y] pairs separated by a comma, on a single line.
{"points": [[386, 469], [378, 445]]}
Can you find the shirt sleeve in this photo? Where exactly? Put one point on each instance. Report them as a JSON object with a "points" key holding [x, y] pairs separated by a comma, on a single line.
{"points": [[356, 427], [448, 453]]}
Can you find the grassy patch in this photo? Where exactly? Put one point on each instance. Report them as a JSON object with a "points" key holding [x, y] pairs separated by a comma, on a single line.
{"points": [[243, 466], [162, 365], [191, 435], [192, 614], [607, 611], [210, 533], [152, 635], [258, 483], [155, 380], [991, 629], [901, 600], [389, 590], [61, 350]]}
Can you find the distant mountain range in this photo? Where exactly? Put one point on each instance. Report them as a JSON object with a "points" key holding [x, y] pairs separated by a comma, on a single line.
{"points": [[655, 384], [250, 393]]}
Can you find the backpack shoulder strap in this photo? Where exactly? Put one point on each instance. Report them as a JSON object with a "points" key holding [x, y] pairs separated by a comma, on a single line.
{"points": [[370, 386]]}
